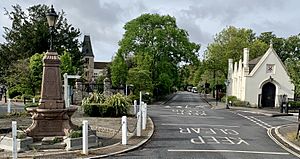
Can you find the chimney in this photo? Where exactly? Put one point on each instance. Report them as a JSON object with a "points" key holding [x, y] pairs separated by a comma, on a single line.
{"points": [[230, 66], [235, 67], [246, 61]]}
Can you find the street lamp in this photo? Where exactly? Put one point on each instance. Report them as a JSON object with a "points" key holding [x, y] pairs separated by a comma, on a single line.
{"points": [[51, 19], [227, 82]]}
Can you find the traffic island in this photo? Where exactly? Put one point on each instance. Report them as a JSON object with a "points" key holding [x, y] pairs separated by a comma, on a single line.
{"points": [[283, 136]]}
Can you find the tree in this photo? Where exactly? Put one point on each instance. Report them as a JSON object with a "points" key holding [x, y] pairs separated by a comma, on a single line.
{"points": [[293, 67], [278, 44], [119, 71], [229, 43], [36, 72], [157, 45], [66, 64], [29, 34]]}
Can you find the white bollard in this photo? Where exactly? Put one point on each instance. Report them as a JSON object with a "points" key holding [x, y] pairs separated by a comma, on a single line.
{"points": [[124, 130], [9, 106], [134, 106], [139, 124], [140, 98], [33, 100], [85, 137], [14, 139], [144, 116]]}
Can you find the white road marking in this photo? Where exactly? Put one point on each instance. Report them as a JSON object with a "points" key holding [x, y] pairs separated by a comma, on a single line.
{"points": [[261, 121], [229, 126], [178, 106], [256, 121], [230, 151], [194, 116], [167, 106]]}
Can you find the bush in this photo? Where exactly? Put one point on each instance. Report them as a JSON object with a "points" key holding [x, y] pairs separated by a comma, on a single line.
{"points": [[117, 105], [91, 109], [75, 133], [229, 98], [114, 106], [294, 104], [94, 98], [28, 105], [27, 96], [239, 103], [13, 92]]}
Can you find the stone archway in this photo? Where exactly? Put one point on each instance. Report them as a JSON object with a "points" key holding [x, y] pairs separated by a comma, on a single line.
{"points": [[268, 95]]}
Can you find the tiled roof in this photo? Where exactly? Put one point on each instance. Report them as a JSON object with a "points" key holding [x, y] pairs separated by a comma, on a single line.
{"points": [[87, 46], [253, 62], [101, 65]]}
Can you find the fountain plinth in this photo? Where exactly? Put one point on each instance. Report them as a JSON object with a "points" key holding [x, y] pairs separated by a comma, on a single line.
{"points": [[51, 118]]}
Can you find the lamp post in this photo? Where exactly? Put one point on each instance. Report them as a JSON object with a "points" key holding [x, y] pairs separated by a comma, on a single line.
{"points": [[227, 83], [51, 19]]}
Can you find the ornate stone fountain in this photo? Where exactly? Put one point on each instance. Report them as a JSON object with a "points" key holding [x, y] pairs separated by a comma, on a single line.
{"points": [[51, 118]]}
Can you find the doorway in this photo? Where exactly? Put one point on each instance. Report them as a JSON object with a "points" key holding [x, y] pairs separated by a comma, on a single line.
{"points": [[268, 95]]}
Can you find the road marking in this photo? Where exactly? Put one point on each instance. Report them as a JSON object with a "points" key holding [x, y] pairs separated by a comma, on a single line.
{"points": [[256, 121], [230, 151], [230, 126], [261, 121], [194, 116], [178, 106]]}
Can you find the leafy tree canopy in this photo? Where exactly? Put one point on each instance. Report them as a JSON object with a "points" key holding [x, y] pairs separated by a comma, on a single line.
{"points": [[29, 34], [156, 45]]}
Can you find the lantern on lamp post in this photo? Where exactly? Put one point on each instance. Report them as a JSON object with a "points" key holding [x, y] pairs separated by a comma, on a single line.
{"points": [[51, 19]]}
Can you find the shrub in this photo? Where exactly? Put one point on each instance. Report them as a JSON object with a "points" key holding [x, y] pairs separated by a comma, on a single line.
{"points": [[27, 96], [91, 109], [117, 105], [114, 106], [13, 92], [29, 105], [93, 98], [75, 133], [229, 98], [294, 104], [239, 103]]}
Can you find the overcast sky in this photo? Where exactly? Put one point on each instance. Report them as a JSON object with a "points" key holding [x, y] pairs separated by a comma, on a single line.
{"points": [[103, 20]]}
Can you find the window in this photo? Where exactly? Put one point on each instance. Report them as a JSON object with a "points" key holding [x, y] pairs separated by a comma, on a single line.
{"points": [[86, 60], [270, 68]]}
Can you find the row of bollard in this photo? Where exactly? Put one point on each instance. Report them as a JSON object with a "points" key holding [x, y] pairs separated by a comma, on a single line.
{"points": [[139, 110], [9, 103], [141, 114]]}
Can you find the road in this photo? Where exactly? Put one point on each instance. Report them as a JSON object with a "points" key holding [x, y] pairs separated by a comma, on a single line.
{"points": [[186, 127], [15, 107]]}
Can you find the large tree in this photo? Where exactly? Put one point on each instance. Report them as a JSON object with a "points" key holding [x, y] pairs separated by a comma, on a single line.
{"points": [[157, 45], [29, 34], [229, 43]]}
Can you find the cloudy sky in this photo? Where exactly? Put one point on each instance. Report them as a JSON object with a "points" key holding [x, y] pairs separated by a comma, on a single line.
{"points": [[103, 20]]}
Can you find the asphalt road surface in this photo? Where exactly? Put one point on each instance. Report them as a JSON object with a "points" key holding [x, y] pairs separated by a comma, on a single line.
{"points": [[186, 127], [15, 107]]}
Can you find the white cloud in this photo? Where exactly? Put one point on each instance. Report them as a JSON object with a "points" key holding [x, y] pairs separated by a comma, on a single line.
{"points": [[103, 20]]}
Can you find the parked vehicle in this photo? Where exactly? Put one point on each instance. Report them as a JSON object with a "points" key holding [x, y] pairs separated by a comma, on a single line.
{"points": [[194, 90]]}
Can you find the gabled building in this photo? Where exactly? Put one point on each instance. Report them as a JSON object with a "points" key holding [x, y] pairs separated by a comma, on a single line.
{"points": [[92, 69], [260, 81]]}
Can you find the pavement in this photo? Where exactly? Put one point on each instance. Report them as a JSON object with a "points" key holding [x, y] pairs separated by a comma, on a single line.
{"points": [[108, 126], [283, 135]]}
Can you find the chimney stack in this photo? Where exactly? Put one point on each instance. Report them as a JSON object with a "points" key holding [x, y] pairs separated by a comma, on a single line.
{"points": [[246, 61]]}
